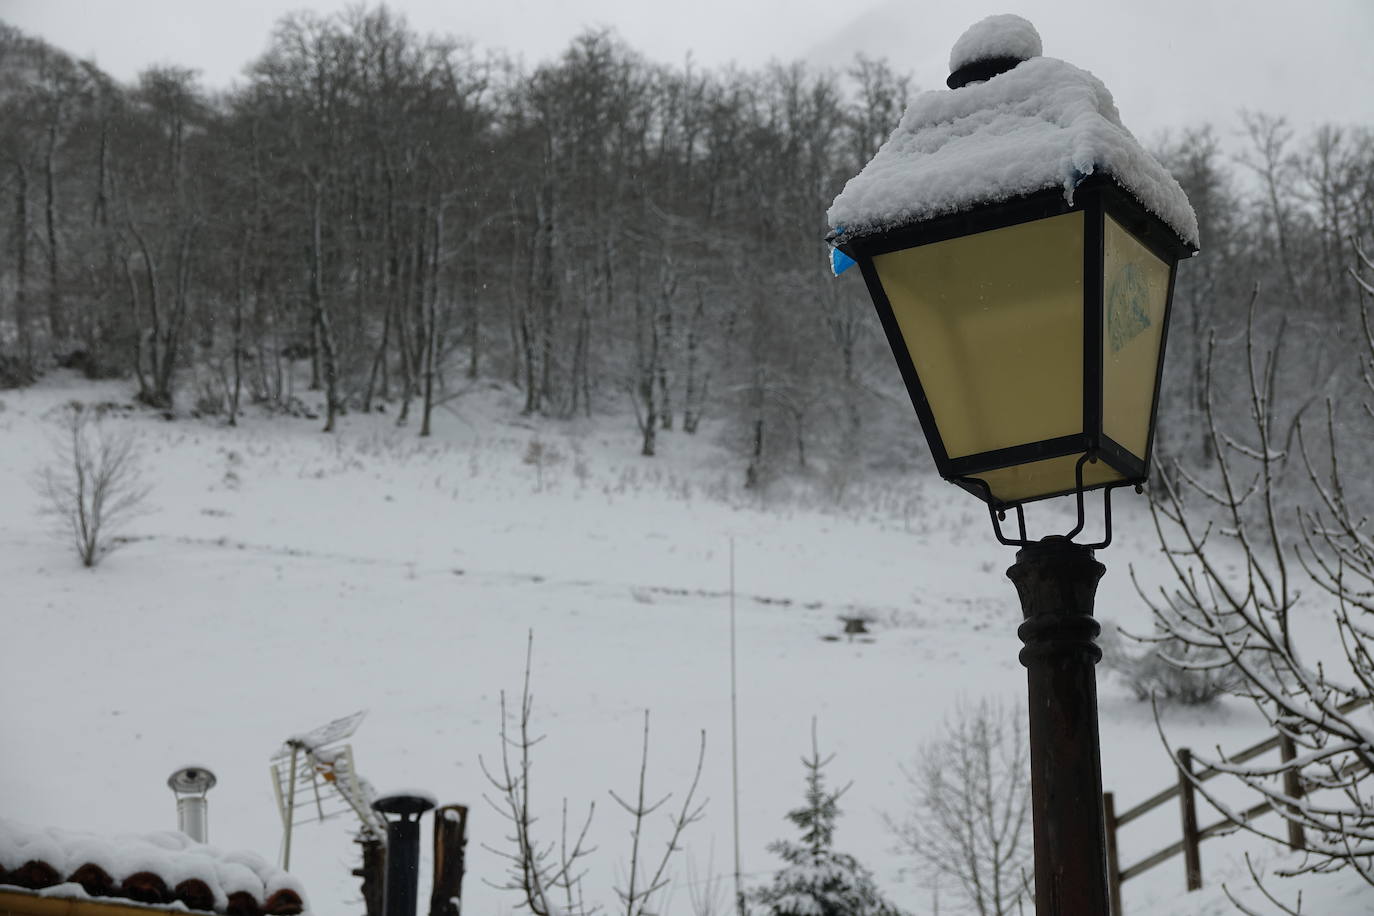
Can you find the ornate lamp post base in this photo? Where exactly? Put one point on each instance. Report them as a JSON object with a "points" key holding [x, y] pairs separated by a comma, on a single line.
{"points": [[1057, 581]]}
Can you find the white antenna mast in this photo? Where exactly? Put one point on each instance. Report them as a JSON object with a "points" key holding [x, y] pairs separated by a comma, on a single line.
{"points": [[734, 735]]}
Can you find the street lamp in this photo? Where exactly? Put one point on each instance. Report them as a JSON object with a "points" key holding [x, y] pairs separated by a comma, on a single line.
{"points": [[1020, 248]]}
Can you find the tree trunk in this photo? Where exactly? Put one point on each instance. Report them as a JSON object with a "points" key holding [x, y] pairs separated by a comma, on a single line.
{"points": [[548, 289], [664, 394], [647, 356], [579, 385], [320, 306], [515, 325], [102, 322], [57, 326], [474, 330], [432, 321], [418, 297], [176, 320], [695, 393], [404, 348], [21, 257], [316, 379], [154, 334], [144, 393], [240, 295], [410, 320], [527, 352], [754, 472], [379, 361], [535, 311]]}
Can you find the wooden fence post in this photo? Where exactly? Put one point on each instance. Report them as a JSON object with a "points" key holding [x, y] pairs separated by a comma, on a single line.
{"points": [[450, 840], [1187, 803], [1113, 860], [1292, 787]]}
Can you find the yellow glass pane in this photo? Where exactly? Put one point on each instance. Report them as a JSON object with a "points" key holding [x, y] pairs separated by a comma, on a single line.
{"points": [[1135, 288], [994, 325], [1041, 478]]}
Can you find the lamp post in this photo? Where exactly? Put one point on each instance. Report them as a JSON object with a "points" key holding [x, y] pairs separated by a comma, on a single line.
{"points": [[1020, 248]]}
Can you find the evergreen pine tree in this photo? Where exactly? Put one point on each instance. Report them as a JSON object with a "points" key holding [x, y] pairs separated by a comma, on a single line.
{"points": [[817, 880]]}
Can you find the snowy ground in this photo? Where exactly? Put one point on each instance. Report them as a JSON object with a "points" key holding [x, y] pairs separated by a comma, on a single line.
{"points": [[287, 578]]}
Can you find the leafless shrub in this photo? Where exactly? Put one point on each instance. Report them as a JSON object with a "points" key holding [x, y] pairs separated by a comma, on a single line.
{"points": [[967, 817], [95, 484], [641, 885], [542, 457], [548, 874], [1163, 670]]}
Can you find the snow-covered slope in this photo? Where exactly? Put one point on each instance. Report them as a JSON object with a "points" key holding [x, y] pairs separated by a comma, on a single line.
{"points": [[286, 578]]}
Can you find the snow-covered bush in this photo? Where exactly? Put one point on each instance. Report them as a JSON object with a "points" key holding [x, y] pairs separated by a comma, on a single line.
{"points": [[1160, 668], [817, 880]]}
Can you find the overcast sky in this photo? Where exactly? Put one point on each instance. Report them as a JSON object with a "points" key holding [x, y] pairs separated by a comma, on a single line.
{"points": [[1169, 63]]}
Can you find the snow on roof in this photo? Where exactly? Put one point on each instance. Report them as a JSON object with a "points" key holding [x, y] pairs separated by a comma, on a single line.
{"points": [[1043, 124], [157, 868], [1004, 35]]}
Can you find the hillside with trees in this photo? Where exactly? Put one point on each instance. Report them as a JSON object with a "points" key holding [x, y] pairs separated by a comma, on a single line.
{"points": [[410, 215]]}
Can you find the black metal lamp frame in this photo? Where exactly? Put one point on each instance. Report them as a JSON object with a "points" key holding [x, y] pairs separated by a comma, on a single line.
{"points": [[1000, 515], [1096, 197]]}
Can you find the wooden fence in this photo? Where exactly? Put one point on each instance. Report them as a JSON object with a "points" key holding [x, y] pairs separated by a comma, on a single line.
{"points": [[1185, 790]]}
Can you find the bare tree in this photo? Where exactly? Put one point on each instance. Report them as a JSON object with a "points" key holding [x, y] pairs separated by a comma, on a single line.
{"points": [[640, 885], [1261, 566], [548, 875], [537, 871], [95, 484], [970, 797]]}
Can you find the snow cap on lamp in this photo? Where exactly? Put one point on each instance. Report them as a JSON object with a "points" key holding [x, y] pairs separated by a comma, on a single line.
{"points": [[1040, 123], [1005, 39]]}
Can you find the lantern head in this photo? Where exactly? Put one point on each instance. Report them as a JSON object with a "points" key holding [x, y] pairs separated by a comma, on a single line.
{"points": [[1020, 248]]}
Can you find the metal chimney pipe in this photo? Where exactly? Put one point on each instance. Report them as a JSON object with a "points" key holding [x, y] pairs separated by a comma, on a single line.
{"points": [[401, 888], [193, 817], [190, 784]]}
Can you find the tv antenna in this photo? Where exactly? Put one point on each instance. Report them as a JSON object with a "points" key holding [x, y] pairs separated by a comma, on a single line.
{"points": [[314, 779]]}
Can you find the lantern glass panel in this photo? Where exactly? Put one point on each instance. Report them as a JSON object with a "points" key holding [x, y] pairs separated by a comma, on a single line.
{"points": [[1047, 477], [994, 326], [1135, 287]]}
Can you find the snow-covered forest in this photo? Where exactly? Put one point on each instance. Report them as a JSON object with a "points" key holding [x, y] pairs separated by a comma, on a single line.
{"points": [[408, 348], [412, 214]]}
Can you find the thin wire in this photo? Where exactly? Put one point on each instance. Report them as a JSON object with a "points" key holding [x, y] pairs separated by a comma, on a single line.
{"points": [[734, 734]]}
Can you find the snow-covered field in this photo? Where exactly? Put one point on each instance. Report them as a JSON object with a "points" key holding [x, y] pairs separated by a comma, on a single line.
{"points": [[286, 578]]}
